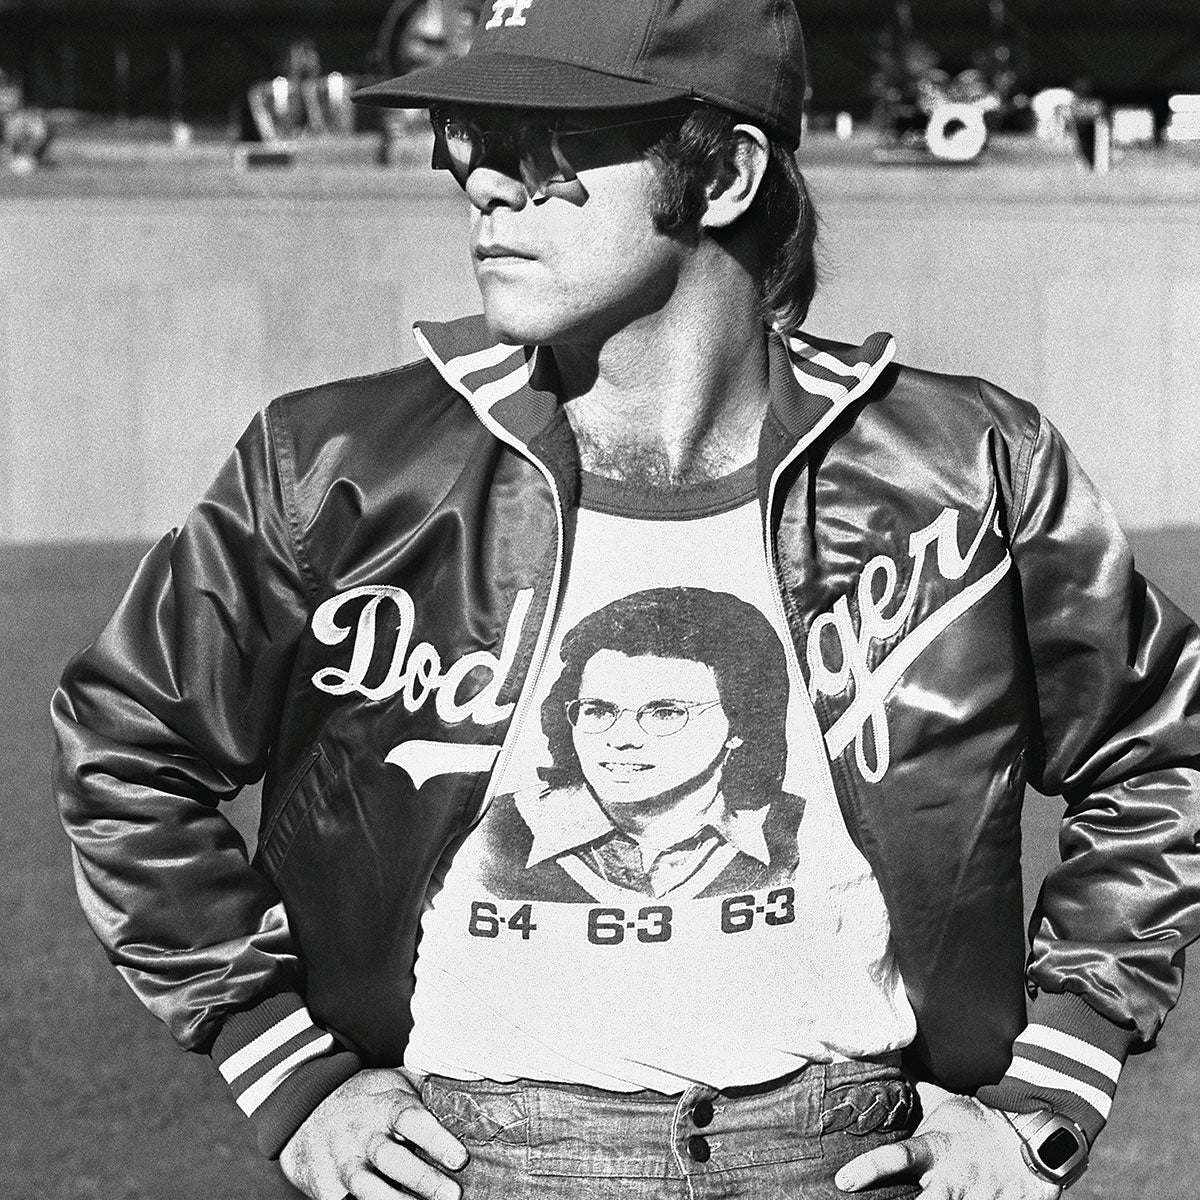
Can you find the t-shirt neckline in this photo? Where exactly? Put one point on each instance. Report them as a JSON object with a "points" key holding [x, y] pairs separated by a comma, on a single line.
{"points": [[678, 502]]}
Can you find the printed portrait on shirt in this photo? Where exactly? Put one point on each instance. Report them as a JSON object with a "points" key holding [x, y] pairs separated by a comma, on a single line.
{"points": [[665, 732]]}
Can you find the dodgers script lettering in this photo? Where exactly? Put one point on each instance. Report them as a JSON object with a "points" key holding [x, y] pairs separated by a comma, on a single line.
{"points": [[838, 655], [416, 672]]}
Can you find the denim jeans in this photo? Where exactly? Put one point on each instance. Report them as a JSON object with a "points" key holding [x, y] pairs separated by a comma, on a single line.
{"points": [[787, 1139]]}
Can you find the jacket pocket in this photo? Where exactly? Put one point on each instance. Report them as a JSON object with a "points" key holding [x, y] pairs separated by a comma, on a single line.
{"points": [[302, 789]]}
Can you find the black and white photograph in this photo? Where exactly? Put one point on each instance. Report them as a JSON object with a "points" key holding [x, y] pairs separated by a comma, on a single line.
{"points": [[598, 598]]}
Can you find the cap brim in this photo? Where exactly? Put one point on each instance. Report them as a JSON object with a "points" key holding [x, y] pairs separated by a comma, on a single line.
{"points": [[514, 81]]}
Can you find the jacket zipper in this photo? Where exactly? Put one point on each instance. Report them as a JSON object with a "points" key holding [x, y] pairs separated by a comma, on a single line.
{"points": [[525, 700], [812, 727], [541, 646]]}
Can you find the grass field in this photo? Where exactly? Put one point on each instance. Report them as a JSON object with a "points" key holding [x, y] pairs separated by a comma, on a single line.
{"points": [[97, 1104]]}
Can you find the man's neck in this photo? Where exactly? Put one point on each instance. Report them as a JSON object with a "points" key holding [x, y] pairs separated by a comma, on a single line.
{"points": [[671, 401]]}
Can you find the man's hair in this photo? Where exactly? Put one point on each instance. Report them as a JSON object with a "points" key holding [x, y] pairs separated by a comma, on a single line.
{"points": [[714, 628], [698, 154]]}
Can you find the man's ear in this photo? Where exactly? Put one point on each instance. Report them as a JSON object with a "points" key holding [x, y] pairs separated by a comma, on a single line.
{"points": [[730, 196]]}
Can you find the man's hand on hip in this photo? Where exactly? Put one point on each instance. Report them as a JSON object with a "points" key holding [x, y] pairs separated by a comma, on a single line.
{"points": [[363, 1140], [962, 1150]]}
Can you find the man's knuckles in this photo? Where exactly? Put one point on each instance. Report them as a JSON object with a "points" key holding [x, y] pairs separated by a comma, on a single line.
{"points": [[377, 1145], [926, 1149], [409, 1118], [356, 1178]]}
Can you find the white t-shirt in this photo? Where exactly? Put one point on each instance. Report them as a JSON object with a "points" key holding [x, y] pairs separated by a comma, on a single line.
{"points": [[663, 891]]}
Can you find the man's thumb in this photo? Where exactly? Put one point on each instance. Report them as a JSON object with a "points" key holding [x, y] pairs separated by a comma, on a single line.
{"points": [[867, 1168]]}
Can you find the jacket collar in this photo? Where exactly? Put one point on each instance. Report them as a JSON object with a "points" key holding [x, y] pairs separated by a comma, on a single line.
{"points": [[496, 379], [812, 380]]}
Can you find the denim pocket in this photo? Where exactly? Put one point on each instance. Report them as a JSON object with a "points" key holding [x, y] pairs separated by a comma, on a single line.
{"points": [[861, 1115], [878, 1106], [477, 1118], [599, 1135]]}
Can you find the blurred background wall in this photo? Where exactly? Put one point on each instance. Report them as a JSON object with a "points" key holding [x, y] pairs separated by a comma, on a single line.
{"points": [[140, 331]]}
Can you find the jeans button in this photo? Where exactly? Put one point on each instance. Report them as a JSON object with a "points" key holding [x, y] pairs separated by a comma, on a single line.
{"points": [[698, 1148], [702, 1113]]}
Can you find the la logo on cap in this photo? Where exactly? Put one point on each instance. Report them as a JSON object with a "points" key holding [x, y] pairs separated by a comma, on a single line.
{"points": [[508, 12]]}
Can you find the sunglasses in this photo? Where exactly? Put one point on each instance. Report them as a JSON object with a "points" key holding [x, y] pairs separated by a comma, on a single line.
{"points": [[545, 150]]}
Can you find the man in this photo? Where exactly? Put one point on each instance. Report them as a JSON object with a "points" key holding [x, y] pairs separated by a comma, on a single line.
{"points": [[666, 760], [364, 604]]}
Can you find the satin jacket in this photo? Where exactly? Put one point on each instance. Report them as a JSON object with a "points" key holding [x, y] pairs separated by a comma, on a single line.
{"points": [[353, 607]]}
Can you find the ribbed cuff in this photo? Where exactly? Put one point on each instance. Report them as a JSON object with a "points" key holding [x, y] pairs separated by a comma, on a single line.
{"points": [[1068, 1060], [280, 1065]]}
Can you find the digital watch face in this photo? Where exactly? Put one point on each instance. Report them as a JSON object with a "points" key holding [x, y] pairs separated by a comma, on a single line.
{"points": [[1058, 1149]]}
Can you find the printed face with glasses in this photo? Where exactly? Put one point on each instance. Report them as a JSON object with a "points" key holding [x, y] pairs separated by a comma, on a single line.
{"points": [[647, 728]]}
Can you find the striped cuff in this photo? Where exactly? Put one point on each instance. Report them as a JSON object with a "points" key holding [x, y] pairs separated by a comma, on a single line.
{"points": [[280, 1065], [1068, 1059]]}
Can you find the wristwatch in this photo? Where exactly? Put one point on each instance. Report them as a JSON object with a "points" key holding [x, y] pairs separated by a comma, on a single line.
{"points": [[1054, 1148]]}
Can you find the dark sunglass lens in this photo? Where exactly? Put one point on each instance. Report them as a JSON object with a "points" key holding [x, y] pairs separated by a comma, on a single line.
{"points": [[463, 145], [540, 162]]}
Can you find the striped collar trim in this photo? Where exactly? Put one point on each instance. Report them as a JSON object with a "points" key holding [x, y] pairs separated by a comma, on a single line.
{"points": [[829, 377], [497, 379]]}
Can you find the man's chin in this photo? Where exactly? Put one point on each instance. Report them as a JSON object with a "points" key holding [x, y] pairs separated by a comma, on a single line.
{"points": [[520, 316], [517, 329]]}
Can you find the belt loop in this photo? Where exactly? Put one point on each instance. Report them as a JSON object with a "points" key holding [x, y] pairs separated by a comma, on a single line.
{"points": [[823, 1099], [682, 1108], [678, 1132]]}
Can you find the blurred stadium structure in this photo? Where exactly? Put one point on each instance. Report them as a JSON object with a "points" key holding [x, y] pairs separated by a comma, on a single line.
{"points": [[196, 58]]}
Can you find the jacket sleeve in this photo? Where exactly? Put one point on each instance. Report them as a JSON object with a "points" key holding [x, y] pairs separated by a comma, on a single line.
{"points": [[1116, 672], [173, 709]]}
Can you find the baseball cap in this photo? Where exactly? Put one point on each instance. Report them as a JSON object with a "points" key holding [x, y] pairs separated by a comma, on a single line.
{"points": [[746, 56]]}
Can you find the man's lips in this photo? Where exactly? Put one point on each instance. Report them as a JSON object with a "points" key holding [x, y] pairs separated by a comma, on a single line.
{"points": [[493, 250]]}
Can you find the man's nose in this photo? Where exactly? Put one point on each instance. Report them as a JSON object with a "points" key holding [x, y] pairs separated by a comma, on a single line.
{"points": [[488, 187]]}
